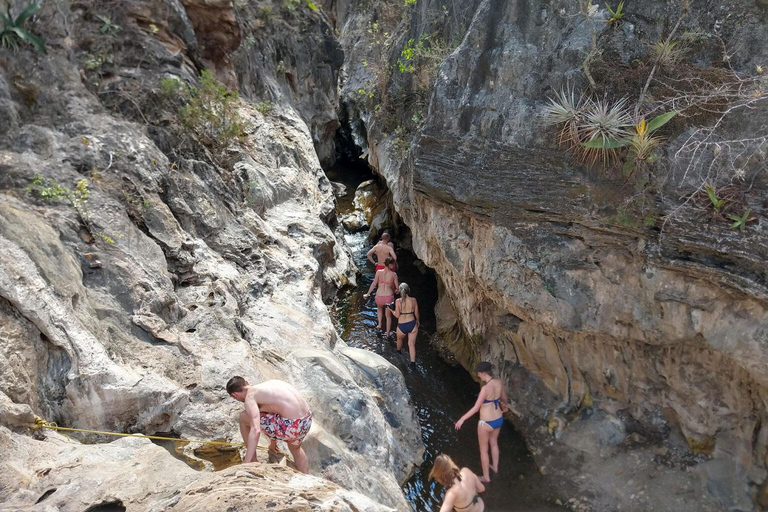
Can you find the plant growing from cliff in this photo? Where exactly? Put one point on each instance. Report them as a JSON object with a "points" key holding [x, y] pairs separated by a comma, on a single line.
{"points": [[291, 5], [565, 109], [616, 15], [46, 189], [405, 61], [49, 190], [603, 123], [12, 31], [410, 2], [717, 203], [264, 107], [740, 222], [666, 52], [107, 25], [212, 113], [641, 143]]}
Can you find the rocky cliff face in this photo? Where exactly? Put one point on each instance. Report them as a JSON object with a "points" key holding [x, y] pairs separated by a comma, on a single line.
{"points": [[149, 251], [588, 289]]}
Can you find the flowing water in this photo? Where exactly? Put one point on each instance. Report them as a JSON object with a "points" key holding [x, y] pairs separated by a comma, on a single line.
{"points": [[440, 392]]}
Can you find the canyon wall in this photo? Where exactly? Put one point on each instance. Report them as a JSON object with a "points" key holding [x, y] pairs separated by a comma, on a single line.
{"points": [[159, 235], [587, 289]]}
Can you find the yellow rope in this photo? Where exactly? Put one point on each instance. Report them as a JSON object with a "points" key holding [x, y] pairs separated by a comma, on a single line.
{"points": [[40, 423]]}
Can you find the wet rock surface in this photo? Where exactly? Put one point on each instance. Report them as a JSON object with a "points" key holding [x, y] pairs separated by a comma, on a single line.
{"points": [[135, 475], [142, 265]]}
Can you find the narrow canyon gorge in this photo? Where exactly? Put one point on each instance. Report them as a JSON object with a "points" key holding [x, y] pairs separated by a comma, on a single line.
{"points": [[582, 184]]}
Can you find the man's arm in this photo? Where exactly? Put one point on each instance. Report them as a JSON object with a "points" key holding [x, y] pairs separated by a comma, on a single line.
{"points": [[252, 409], [368, 255], [392, 253]]}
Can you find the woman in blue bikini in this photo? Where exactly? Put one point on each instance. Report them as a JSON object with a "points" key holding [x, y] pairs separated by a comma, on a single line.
{"points": [[407, 314], [492, 403]]}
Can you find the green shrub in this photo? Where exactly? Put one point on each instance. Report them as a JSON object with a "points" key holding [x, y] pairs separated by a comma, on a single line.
{"points": [[12, 31], [616, 15], [170, 87], [265, 107], [107, 25], [212, 113], [291, 5]]}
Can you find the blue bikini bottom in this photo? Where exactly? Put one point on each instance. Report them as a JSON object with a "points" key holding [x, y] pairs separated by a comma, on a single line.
{"points": [[494, 424], [407, 327]]}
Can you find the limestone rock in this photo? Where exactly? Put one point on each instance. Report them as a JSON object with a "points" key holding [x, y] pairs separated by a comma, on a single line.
{"points": [[185, 264], [353, 223], [15, 415], [136, 475]]}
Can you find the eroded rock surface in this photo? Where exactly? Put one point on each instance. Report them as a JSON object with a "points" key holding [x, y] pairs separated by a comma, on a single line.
{"points": [[140, 268], [662, 330], [135, 475]]}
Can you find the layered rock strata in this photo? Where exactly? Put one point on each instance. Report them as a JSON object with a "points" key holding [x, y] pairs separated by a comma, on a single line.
{"points": [[661, 329]]}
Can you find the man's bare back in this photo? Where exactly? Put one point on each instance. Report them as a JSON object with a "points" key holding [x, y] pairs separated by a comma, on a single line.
{"points": [[382, 250], [276, 408], [278, 397]]}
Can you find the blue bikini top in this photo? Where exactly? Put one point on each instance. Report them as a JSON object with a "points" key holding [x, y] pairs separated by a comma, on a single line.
{"points": [[495, 402]]}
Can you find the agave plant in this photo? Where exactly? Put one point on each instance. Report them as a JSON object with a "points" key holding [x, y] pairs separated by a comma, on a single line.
{"points": [[666, 52], [641, 142], [602, 125], [565, 109], [12, 31]]}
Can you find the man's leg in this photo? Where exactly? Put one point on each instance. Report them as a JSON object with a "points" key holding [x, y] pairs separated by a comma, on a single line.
{"points": [[299, 457]]}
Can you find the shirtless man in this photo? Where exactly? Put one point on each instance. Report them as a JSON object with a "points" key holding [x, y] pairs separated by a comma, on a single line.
{"points": [[383, 249], [276, 408]]}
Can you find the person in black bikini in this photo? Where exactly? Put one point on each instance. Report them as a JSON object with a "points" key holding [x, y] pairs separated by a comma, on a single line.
{"points": [[491, 403], [462, 486], [407, 314]]}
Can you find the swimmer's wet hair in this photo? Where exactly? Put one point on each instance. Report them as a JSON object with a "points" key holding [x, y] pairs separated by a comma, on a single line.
{"points": [[235, 384], [389, 261], [484, 367], [445, 471]]}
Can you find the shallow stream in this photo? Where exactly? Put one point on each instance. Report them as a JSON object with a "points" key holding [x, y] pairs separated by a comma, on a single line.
{"points": [[441, 392]]}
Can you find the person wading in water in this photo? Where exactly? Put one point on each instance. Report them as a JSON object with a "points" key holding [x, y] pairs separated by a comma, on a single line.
{"points": [[462, 486], [383, 249], [491, 402], [407, 314], [277, 409], [385, 283]]}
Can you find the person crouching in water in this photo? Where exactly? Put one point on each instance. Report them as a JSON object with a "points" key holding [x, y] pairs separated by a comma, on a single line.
{"points": [[277, 409], [491, 402], [407, 314], [462, 487], [385, 283]]}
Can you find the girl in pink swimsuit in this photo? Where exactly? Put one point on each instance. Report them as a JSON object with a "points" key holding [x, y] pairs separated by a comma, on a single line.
{"points": [[385, 283]]}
